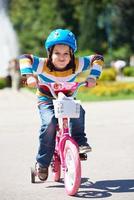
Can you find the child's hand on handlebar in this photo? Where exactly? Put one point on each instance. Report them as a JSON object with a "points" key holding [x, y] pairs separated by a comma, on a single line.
{"points": [[91, 82], [31, 81]]}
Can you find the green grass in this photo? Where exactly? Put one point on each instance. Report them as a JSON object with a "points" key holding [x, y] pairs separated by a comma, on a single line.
{"points": [[89, 97]]}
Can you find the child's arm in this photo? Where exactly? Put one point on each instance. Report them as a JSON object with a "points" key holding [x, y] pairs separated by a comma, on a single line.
{"points": [[93, 63], [31, 81], [96, 64], [26, 62]]}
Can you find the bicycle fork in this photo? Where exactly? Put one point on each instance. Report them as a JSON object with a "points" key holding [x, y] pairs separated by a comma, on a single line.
{"points": [[64, 128]]}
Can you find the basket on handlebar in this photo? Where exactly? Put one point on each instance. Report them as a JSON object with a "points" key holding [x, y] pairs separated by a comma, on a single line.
{"points": [[67, 108]]}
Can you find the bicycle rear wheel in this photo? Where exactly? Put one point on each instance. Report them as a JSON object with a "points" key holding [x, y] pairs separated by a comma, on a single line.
{"points": [[56, 168], [72, 174]]}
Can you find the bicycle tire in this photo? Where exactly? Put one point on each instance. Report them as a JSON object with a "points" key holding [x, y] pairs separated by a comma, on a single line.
{"points": [[72, 174]]}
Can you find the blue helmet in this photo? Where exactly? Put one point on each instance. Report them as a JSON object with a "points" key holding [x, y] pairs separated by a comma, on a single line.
{"points": [[61, 36]]}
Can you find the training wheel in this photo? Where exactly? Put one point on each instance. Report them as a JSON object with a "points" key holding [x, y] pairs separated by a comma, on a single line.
{"points": [[32, 175]]}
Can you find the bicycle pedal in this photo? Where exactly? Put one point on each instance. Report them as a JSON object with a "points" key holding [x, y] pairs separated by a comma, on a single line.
{"points": [[83, 156]]}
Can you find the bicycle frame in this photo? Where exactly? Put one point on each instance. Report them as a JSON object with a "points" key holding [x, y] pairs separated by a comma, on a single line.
{"points": [[66, 108], [62, 136]]}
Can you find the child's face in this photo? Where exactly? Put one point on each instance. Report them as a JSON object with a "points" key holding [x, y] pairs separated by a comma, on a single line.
{"points": [[61, 56]]}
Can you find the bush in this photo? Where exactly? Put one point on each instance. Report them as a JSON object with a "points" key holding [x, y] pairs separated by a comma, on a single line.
{"points": [[128, 71], [113, 89], [110, 89], [108, 75], [2, 83]]}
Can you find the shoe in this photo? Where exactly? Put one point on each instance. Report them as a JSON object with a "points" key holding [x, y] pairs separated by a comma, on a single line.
{"points": [[83, 156], [42, 172], [84, 149]]}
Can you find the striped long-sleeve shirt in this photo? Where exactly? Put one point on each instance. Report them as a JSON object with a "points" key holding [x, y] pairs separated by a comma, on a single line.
{"points": [[30, 64]]}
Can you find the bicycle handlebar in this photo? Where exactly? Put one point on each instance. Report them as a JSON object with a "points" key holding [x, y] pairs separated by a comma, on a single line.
{"points": [[49, 85]]}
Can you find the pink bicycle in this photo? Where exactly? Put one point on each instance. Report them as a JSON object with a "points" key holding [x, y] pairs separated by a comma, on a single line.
{"points": [[66, 156]]}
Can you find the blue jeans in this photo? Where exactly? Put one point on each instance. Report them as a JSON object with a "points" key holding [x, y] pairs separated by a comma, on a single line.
{"points": [[48, 132]]}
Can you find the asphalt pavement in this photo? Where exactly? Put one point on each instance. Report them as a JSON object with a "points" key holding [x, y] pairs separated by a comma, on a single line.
{"points": [[107, 174]]}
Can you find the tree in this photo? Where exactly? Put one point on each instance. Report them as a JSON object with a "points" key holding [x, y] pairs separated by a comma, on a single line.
{"points": [[91, 36], [67, 11], [99, 25], [126, 19], [33, 21]]}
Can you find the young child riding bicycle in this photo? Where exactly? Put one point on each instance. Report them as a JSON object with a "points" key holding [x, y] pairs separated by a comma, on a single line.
{"points": [[61, 65]]}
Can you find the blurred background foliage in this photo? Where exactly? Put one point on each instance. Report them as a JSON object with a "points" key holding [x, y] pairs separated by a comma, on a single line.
{"points": [[101, 26]]}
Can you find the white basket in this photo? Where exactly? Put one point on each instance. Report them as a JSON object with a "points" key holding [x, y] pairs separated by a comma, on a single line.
{"points": [[67, 108]]}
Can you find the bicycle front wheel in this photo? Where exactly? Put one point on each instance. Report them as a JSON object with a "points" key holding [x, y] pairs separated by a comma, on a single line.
{"points": [[72, 174]]}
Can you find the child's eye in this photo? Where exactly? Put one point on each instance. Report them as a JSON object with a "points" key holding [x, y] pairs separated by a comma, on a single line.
{"points": [[66, 54], [57, 53]]}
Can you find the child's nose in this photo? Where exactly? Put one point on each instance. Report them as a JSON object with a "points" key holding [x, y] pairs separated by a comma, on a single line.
{"points": [[61, 57]]}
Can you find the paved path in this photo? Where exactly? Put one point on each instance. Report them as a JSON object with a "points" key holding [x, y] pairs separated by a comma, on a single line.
{"points": [[109, 171]]}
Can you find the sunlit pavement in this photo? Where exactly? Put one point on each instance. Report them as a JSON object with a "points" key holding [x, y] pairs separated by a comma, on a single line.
{"points": [[108, 172]]}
